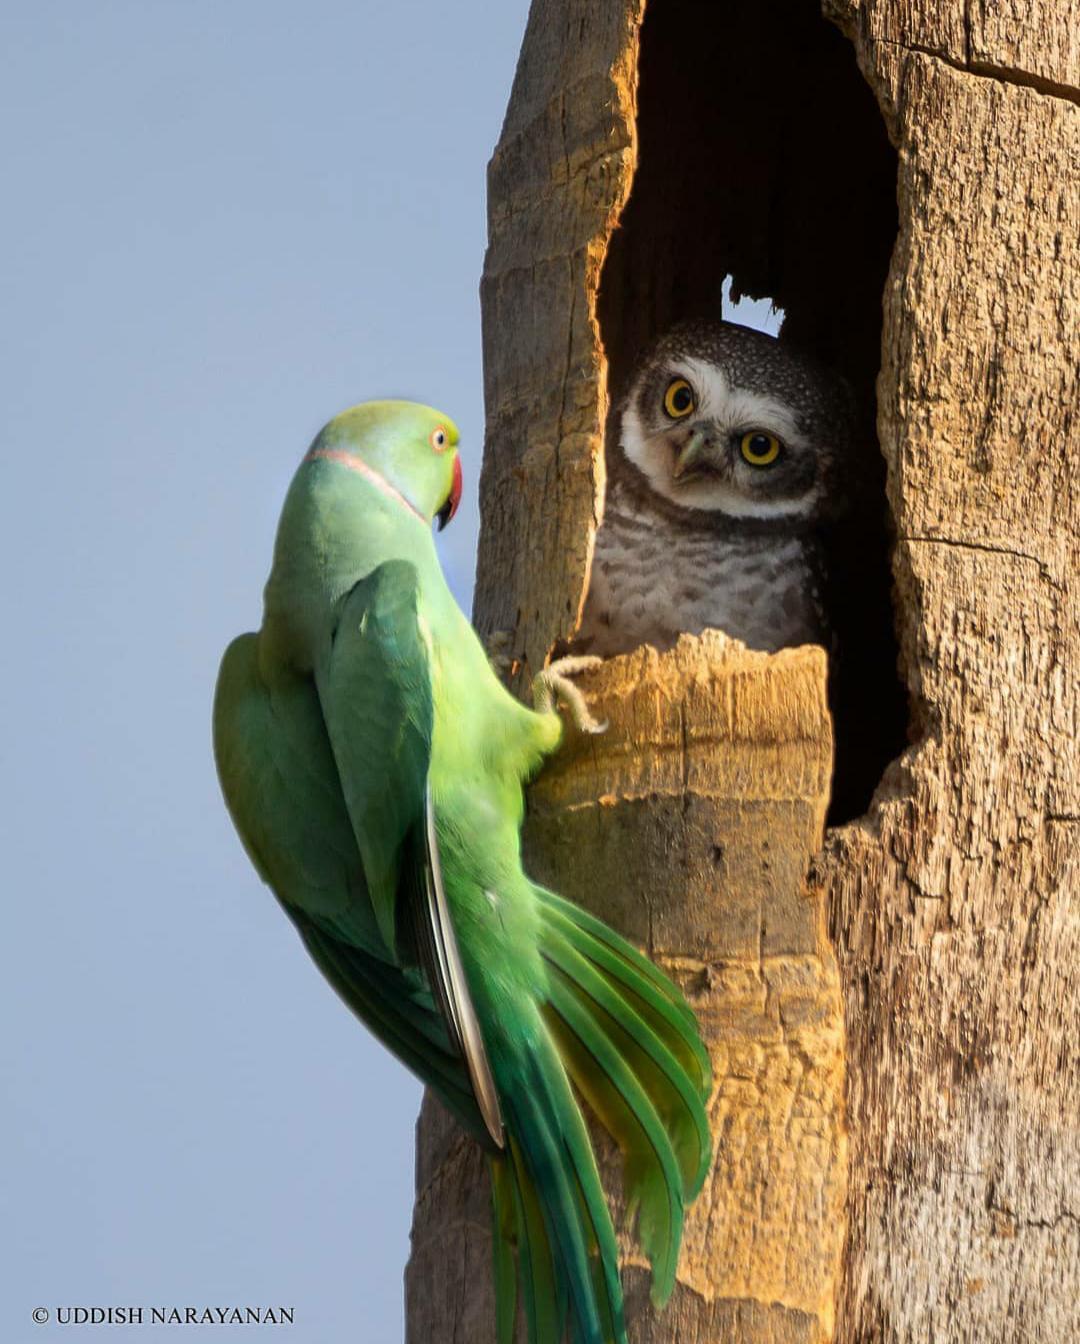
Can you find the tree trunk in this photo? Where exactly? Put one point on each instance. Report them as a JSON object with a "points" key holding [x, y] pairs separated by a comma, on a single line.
{"points": [[919, 963]]}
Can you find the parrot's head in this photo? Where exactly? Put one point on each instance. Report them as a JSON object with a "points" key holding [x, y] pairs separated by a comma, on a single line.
{"points": [[410, 448]]}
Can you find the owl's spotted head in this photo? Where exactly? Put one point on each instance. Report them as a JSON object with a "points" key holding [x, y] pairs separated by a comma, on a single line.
{"points": [[729, 420]]}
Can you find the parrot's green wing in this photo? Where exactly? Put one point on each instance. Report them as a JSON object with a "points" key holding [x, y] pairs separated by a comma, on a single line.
{"points": [[376, 694], [281, 785], [401, 1014]]}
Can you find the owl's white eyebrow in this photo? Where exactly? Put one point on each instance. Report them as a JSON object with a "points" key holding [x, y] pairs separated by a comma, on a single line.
{"points": [[751, 410], [739, 407]]}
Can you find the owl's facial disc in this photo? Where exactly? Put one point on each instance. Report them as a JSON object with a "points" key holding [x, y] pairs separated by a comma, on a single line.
{"points": [[705, 443]]}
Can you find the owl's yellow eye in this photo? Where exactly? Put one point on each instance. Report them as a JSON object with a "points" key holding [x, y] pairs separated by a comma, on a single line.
{"points": [[760, 449], [679, 399]]}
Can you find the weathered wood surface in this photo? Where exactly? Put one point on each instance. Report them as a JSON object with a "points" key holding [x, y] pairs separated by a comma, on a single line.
{"points": [[954, 907], [1033, 42], [556, 183], [953, 904], [705, 742]]}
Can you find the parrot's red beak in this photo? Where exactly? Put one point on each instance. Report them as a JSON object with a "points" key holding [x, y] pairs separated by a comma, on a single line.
{"points": [[453, 499]]}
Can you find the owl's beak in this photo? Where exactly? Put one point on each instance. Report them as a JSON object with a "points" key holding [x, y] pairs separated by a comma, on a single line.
{"points": [[692, 459]]}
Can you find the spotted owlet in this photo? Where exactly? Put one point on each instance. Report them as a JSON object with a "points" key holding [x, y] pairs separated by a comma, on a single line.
{"points": [[728, 459]]}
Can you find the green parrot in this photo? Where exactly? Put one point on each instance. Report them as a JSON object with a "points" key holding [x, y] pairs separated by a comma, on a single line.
{"points": [[373, 765]]}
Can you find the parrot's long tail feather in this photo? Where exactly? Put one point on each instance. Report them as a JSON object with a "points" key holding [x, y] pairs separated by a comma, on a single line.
{"points": [[624, 1034]]}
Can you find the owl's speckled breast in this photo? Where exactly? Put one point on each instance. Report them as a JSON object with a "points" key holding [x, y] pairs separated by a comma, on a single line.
{"points": [[656, 576]]}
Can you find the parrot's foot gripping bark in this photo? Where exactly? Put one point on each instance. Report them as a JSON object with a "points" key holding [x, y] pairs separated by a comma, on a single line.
{"points": [[554, 684]]}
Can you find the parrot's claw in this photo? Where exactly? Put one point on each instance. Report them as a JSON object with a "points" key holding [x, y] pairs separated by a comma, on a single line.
{"points": [[554, 684]]}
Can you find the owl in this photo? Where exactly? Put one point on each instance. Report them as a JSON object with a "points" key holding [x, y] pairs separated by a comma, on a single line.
{"points": [[727, 463]]}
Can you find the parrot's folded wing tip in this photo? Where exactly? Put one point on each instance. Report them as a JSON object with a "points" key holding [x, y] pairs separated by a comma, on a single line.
{"points": [[447, 975]]}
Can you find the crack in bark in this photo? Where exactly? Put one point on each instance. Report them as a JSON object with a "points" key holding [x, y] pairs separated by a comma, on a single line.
{"points": [[1065, 1216], [1009, 76], [1024, 79], [1048, 1224], [988, 548]]}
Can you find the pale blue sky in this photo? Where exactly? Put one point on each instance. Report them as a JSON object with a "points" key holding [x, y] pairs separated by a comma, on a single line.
{"points": [[223, 223]]}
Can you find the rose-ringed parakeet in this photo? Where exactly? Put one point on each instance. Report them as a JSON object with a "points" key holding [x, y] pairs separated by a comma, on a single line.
{"points": [[373, 765]]}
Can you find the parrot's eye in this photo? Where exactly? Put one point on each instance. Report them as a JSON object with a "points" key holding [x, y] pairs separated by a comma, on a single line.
{"points": [[678, 399], [438, 438], [759, 449]]}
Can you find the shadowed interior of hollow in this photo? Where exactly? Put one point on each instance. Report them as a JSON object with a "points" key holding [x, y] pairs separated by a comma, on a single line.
{"points": [[763, 155]]}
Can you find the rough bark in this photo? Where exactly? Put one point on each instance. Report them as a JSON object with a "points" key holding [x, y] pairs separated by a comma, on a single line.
{"points": [[951, 904]]}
